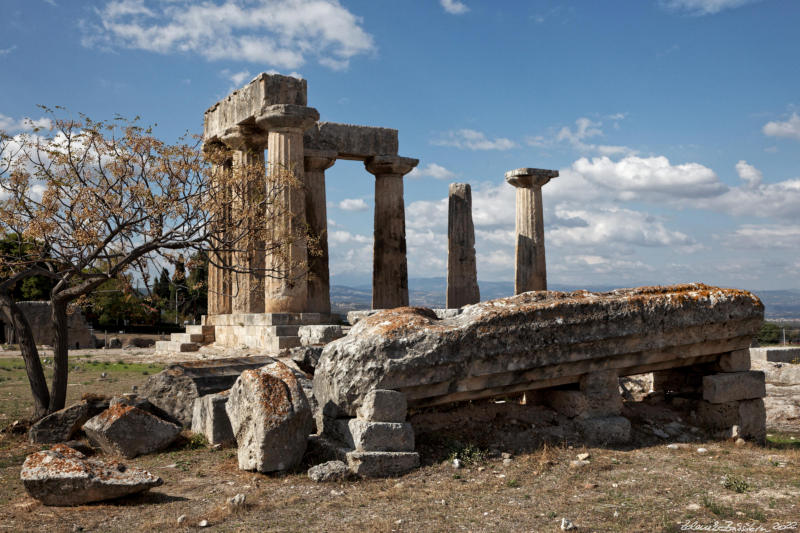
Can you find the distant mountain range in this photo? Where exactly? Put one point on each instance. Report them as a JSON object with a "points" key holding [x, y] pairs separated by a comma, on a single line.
{"points": [[430, 292]]}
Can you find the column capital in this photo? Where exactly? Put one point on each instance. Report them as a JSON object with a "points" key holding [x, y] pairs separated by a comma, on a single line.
{"points": [[530, 177], [287, 117], [245, 138], [380, 165], [319, 159]]}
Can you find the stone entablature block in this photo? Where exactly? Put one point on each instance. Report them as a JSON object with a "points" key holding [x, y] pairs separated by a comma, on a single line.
{"points": [[350, 141]]}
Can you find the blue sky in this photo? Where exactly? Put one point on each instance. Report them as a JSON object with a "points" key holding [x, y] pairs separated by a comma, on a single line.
{"points": [[675, 124]]}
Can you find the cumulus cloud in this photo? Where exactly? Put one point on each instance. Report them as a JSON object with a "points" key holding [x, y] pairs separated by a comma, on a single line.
{"points": [[434, 171], [237, 78], [353, 204], [577, 138], [750, 236], [704, 7], [789, 129], [749, 174], [11, 125], [454, 7], [467, 139], [6, 51], [280, 33]]}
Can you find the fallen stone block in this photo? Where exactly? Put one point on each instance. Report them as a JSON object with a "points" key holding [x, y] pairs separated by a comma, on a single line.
{"points": [[535, 340], [175, 388], [306, 357], [211, 420], [570, 403], [383, 406], [362, 435], [753, 419], [329, 471], [601, 390], [749, 415], [382, 464], [319, 334], [270, 418], [736, 361], [605, 430], [62, 425], [727, 387], [129, 431], [63, 476]]}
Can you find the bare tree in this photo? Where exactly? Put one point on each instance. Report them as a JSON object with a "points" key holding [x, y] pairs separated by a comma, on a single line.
{"points": [[93, 200]]}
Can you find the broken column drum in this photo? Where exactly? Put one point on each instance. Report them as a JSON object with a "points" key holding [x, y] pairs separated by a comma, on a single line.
{"points": [[462, 275], [530, 273]]}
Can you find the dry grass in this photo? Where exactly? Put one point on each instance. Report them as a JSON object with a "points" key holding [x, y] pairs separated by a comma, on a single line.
{"points": [[646, 488]]}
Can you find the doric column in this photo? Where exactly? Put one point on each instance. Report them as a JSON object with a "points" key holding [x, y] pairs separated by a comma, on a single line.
{"points": [[530, 273], [462, 273], [389, 262], [248, 145], [219, 274], [286, 285], [315, 164]]}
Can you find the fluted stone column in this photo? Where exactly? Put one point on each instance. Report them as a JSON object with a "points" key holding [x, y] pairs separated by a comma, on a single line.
{"points": [[315, 164], [389, 263], [462, 273], [286, 285], [530, 273], [248, 144], [219, 275]]}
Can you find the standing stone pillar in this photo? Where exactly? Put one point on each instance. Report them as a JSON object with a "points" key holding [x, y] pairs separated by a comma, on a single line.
{"points": [[286, 284], [530, 273], [219, 274], [248, 145], [462, 273], [315, 164], [389, 263]]}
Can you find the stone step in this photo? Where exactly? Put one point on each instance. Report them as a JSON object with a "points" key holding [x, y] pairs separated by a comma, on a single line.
{"points": [[206, 331], [176, 347], [187, 337], [278, 344]]}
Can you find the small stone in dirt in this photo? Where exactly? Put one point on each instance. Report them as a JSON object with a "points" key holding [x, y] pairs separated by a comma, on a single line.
{"points": [[456, 463], [590, 485], [237, 502], [578, 464], [659, 433], [481, 468], [506, 455], [693, 507], [582, 456], [507, 462], [702, 450], [566, 524], [330, 471], [740, 442], [673, 446], [335, 492], [182, 519], [203, 523]]}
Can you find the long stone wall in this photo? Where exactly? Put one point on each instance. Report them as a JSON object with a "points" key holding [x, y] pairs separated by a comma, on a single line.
{"points": [[38, 314]]}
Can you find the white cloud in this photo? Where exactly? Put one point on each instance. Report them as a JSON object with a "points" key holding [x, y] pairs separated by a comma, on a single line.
{"points": [[749, 174], [789, 129], [353, 204], [454, 7], [281, 33], [585, 129], [345, 237], [10, 125], [468, 139], [650, 178], [237, 78], [767, 236], [432, 170], [6, 51], [704, 7]]}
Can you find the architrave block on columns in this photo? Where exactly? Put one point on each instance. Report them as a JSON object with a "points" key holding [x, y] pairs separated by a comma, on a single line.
{"points": [[390, 263]]}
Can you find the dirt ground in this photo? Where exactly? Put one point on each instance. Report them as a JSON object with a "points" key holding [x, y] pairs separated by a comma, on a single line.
{"points": [[645, 487]]}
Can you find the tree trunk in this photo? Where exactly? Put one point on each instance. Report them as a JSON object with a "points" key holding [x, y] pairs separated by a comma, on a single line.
{"points": [[14, 316], [58, 389]]}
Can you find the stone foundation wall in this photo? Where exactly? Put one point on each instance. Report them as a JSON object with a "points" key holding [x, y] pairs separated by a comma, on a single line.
{"points": [[38, 314]]}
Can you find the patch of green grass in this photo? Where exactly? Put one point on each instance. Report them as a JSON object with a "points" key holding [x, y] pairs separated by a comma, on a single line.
{"points": [[783, 441], [736, 483], [512, 484], [468, 454], [195, 442], [721, 510]]}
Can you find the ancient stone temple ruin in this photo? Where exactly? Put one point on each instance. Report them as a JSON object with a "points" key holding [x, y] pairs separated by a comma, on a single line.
{"points": [[271, 113]]}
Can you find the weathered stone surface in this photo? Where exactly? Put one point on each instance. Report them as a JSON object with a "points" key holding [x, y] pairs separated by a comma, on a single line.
{"points": [[329, 471], [63, 476], [382, 464], [175, 388], [349, 141], [783, 394], [727, 387], [531, 341], [270, 418], [736, 361], [383, 406], [211, 419], [39, 316], [749, 415], [753, 419], [605, 430], [602, 393], [362, 435], [134, 400], [776, 354], [462, 273], [306, 357], [128, 431], [319, 334], [114, 343], [315, 163], [570, 403], [62, 425], [354, 316]]}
